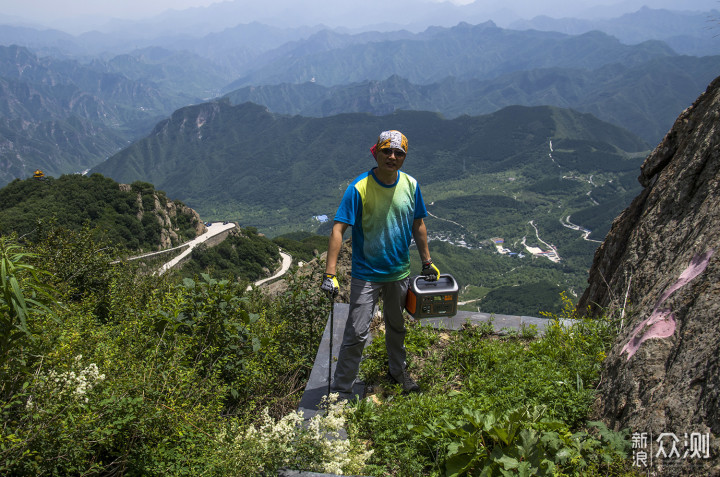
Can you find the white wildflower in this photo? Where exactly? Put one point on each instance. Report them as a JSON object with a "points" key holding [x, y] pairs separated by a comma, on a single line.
{"points": [[77, 384], [313, 445]]}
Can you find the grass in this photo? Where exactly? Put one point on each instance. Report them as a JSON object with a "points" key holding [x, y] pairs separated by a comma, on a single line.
{"points": [[514, 402]]}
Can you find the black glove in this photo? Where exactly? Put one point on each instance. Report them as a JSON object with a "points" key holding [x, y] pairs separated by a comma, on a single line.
{"points": [[330, 285], [430, 271]]}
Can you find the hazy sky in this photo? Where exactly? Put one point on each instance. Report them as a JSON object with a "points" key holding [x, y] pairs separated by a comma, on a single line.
{"points": [[50, 10]]}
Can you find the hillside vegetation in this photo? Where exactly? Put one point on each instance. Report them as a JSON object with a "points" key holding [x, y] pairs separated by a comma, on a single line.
{"points": [[243, 255], [134, 217], [104, 370]]}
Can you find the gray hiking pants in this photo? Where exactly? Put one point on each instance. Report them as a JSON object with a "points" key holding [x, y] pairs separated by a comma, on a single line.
{"points": [[363, 302]]}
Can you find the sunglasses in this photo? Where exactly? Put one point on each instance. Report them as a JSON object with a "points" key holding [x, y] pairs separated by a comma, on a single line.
{"points": [[388, 151]]}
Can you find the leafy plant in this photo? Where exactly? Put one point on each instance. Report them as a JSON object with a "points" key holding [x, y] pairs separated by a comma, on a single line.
{"points": [[520, 442], [214, 313], [22, 294]]}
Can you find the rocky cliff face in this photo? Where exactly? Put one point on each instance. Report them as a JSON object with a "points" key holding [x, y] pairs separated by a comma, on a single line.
{"points": [[660, 265], [168, 214]]}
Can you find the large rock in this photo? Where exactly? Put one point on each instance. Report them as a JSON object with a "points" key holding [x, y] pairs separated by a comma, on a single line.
{"points": [[658, 268], [166, 213]]}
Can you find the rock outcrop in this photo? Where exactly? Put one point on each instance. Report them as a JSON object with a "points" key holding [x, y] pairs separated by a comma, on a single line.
{"points": [[659, 267], [166, 213]]}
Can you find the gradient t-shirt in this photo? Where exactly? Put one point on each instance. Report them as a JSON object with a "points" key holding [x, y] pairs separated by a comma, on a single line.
{"points": [[382, 218]]}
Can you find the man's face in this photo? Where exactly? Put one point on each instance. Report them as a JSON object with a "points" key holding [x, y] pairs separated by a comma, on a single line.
{"points": [[390, 160]]}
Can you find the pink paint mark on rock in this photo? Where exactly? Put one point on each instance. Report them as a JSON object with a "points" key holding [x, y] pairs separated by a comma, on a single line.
{"points": [[698, 264], [661, 322]]}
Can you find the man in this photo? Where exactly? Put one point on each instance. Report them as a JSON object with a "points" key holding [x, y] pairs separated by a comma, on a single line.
{"points": [[385, 209]]}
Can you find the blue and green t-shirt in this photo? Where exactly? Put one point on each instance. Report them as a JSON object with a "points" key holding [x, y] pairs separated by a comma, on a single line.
{"points": [[382, 218]]}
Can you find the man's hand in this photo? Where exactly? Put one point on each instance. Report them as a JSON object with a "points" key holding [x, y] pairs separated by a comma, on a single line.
{"points": [[430, 271], [330, 285]]}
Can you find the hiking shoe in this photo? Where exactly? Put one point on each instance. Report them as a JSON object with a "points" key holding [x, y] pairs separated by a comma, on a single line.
{"points": [[408, 383]]}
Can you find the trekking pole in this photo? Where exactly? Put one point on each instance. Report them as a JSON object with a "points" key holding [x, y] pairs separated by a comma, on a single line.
{"points": [[330, 354]]}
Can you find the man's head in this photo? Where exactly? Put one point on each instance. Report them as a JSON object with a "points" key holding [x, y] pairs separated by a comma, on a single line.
{"points": [[389, 152], [391, 140]]}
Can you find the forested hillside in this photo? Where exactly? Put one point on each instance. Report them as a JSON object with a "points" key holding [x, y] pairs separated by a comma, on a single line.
{"points": [[228, 160], [243, 255], [133, 217]]}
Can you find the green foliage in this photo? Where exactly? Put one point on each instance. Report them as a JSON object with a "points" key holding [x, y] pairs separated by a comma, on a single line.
{"points": [[302, 245], [75, 201], [215, 315], [142, 384], [23, 293], [292, 325], [140, 375], [513, 404], [527, 299], [79, 262], [519, 442]]}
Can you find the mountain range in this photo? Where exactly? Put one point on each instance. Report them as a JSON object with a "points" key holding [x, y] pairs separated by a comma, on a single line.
{"points": [[280, 170], [610, 92], [689, 33], [533, 137], [518, 173], [65, 110]]}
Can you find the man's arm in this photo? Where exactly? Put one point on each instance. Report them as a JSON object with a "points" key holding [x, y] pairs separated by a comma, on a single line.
{"points": [[334, 245], [419, 232], [429, 270]]}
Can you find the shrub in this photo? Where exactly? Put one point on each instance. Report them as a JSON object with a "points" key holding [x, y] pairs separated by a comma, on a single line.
{"points": [[493, 404], [290, 442]]}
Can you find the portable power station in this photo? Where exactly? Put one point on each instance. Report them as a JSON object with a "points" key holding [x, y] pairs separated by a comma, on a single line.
{"points": [[426, 299]]}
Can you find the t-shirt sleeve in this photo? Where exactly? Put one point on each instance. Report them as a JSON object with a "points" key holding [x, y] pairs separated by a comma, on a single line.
{"points": [[420, 209], [349, 210]]}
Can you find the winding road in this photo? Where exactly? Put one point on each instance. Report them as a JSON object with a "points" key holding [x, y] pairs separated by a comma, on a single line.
{"points": [[215, 228], [286, 262], [586, 233]]}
